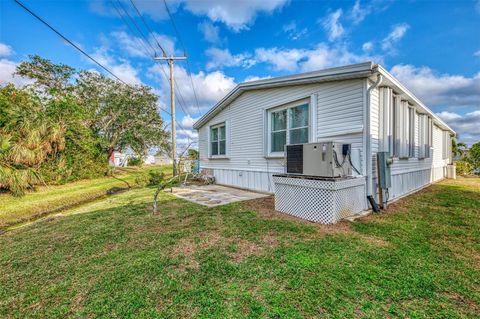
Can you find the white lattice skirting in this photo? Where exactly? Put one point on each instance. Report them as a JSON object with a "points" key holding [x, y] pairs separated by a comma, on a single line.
{"points": [[323, 201]]}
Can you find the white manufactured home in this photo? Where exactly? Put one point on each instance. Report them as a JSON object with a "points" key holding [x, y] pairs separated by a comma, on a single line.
{"points": [[242, 138]]}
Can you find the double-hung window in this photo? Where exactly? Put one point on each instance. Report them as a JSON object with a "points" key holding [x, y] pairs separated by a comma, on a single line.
{"points": [[218, 140], [288, 125]]}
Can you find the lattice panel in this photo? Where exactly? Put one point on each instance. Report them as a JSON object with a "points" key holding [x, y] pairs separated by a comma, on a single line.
{"points": [[323, 201]]}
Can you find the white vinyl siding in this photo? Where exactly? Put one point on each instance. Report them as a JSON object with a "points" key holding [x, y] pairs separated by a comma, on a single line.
{"points": [[424, 135], [336, 113]]}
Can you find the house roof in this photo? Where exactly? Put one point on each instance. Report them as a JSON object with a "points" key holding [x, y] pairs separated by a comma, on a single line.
{"points": [[352, 71]]}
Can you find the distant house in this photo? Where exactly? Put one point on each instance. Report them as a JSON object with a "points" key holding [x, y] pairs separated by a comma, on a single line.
{"points": [[242, 138], [163, 160], [119, 159]]}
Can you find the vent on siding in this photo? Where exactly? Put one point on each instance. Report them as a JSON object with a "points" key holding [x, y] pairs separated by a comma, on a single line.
{"points": [[295, 159]]}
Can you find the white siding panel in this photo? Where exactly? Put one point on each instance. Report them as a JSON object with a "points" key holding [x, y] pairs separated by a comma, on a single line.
{"points": [[340, 109]]}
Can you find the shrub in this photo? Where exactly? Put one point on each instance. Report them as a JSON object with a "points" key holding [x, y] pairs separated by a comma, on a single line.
{"points": [[142, 180], [135, 161], [156, 177], [463, 167]]}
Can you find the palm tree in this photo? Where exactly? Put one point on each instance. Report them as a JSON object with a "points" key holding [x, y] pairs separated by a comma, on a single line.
{"points": [[458, 149], [27, 138]]}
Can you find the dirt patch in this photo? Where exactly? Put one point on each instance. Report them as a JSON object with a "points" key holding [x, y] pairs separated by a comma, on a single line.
{"points": [[265, 208], [462, 300], [245, 249]]}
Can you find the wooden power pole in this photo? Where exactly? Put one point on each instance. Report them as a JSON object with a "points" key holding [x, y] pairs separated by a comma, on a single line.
{"points": [[171, 62]]}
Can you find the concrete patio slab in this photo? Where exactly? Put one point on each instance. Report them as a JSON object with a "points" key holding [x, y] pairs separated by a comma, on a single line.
{"points": [[214, 195]]}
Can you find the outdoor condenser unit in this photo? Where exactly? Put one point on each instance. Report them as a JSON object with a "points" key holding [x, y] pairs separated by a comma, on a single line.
{"points": [[322, 159]]}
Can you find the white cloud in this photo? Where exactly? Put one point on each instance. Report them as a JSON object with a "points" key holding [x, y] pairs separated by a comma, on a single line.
{"points": [[120, 67], [332, 25], [467, 125], [237, 15], [223, 58], [451, 91], [358, 13], [477, 54], [477, 6], [211, 33], [7, 70], [320, 57], [280, 59], [5, 50], [397, 33], [210, 87], [293, 32], [367, 46], [133, 46]]}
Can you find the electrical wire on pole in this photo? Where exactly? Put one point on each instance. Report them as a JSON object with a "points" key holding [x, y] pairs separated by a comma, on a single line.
{"points": [[82, 51], [184, 53]]}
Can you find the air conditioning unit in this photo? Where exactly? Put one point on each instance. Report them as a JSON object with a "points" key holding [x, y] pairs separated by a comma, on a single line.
{"points": [[323, 159]]}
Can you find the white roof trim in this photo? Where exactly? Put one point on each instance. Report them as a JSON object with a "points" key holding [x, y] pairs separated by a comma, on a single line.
{"points": [[410, 95], [360, 70]]}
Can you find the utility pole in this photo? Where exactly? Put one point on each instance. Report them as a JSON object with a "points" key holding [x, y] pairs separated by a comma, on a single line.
{"points": [[171, 62]]}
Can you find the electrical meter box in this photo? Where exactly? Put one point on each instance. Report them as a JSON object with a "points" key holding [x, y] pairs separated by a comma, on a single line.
{"points": [[384, 170], [322, 159]]}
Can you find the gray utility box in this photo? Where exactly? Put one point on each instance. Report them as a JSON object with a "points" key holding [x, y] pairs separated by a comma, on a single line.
{"points": [[384, 162], [323, 159]]}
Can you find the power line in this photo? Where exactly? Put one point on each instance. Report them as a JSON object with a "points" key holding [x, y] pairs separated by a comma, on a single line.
{"points": [[175, 28], [184, 52], [140, 40], [149, 30], [66, 39], [83, 52], [136, 26], [181, 100]]}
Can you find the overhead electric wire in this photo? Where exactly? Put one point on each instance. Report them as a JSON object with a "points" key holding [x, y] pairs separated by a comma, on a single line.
{"points": [[82, 51], [67, 40], [181, 101], [148, 27], [142, 42], [136, 26], [184, 53]]}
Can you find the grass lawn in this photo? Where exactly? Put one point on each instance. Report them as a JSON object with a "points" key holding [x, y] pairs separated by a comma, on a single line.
{"points": [[14, 210], [113, 259]]}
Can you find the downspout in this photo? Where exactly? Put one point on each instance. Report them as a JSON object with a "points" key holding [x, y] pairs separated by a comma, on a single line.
{"points": [[369, 138]]}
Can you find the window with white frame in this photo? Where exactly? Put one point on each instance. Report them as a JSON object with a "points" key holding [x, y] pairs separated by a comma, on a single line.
{"points": [[218, 140], [288, 125]]}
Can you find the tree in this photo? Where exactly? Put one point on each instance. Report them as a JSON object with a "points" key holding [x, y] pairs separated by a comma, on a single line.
{"points": [[474, 156], [193, 154], [458, 148], [27, 139], [51, 80], [124, 116]]}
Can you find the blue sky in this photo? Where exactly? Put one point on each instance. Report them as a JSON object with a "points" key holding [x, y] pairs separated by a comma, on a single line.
{"points": [[433, 47]]}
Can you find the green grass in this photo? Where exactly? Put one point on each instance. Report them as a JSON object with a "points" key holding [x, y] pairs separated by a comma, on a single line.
{"points": [[113, 259], [44, 200]]}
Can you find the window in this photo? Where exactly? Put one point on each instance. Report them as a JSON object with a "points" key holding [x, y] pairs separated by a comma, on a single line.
{"points": [[218, 140], [288, 126]]}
